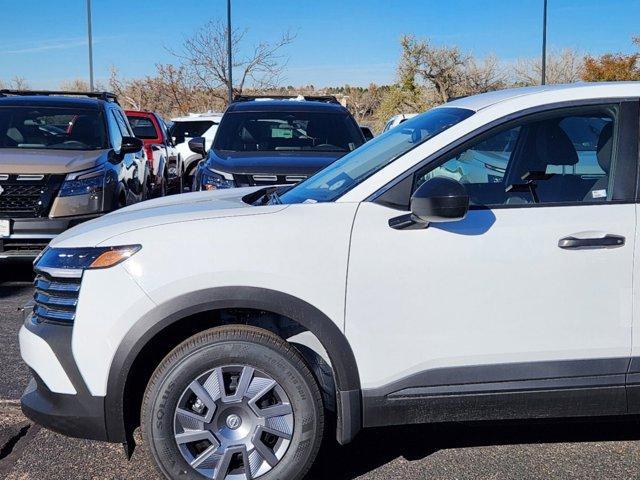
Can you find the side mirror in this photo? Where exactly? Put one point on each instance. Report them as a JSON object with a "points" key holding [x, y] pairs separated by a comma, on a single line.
{"points": [[440, 199], [367, 133], [131, 145], [197, 145]]}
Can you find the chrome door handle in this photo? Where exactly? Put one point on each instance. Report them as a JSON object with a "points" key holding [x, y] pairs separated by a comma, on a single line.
{"points": [[608, 241]]}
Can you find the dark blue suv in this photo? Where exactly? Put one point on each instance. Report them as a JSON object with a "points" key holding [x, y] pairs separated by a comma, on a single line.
{"points": [[275, 140]]}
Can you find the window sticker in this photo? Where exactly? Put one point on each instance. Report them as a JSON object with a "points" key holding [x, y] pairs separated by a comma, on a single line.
{"points": [[599, 193]]}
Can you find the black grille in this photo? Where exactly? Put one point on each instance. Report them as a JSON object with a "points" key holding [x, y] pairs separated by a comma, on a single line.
{"points": [[28, 199], [20, 198], [56, 299]]}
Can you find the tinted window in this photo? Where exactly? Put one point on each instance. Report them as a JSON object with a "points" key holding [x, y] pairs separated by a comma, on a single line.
{"points": [[347, 172], [559, 159], [143, 127], [287, 131], [114, 131], [125, 129], [190, 129], [51, 128]]}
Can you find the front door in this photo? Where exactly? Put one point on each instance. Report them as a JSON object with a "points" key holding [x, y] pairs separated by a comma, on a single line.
{"points": [[531, 292]]}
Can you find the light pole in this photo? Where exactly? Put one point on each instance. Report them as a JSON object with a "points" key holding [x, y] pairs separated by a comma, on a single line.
{"points": [[229, 59], [544, 44], [90, 39]]}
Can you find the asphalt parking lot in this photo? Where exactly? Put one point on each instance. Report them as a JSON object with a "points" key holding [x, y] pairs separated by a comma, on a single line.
{"points": [[571, 450]]}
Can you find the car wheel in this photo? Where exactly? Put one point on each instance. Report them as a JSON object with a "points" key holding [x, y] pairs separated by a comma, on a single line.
{"points": [[233, 403]]}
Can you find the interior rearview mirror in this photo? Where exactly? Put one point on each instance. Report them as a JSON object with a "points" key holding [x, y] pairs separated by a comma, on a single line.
{"points": [[197, 145], [440, 199]]}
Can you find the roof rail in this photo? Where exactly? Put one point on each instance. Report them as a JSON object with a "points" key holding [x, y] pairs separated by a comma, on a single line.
{"points": [[106, 96], [310, 98]]}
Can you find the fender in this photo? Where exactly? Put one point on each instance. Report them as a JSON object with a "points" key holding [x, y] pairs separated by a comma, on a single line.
{"points": [[335, 343], [190, 160]]}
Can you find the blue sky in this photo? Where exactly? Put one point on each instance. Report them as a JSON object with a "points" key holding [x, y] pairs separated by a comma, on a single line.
{"points": [[337, 42]]}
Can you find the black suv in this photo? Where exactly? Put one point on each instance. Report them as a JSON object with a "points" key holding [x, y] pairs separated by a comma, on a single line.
{"points": [[275, 140], [65, 157]]}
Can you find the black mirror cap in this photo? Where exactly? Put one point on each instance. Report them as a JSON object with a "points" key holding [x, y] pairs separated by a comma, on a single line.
{"points": [[439, 199], [197, 145], [131, 145]]}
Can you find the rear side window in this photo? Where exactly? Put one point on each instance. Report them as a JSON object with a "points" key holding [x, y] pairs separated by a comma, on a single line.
{"points": [[561, 158], [143, 127]]}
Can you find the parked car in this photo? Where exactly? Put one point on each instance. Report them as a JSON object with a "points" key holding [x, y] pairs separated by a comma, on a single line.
{"points": [[65, 158], [397, 120], [165, 163], [375, 293], [275, 140], [184, 129], [367, 132]]}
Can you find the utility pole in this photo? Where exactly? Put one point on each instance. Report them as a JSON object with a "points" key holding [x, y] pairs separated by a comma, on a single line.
{"points": [[544, 44], [229, 59], [90, 38]]}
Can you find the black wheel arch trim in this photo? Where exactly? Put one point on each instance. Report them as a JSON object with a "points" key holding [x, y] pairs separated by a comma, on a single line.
{"points": [[343, 361]]}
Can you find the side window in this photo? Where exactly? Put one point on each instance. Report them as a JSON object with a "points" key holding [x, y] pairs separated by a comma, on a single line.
{"points": [[125, 129], [558, 158], [114, 131]]}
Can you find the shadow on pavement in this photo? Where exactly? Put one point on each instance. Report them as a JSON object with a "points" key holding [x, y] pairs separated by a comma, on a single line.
{"points": [[15, 278], [374, 448]]}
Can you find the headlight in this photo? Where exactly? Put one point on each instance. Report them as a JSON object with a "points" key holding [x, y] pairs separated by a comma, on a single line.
{"points": [[78, 259], [213, 181], [90, 183]]}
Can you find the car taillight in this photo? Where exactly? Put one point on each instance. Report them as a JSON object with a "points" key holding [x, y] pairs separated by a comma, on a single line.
{"points": [[148, 151]]}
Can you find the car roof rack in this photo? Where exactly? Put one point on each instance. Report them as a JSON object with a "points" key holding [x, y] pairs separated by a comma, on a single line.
{"points": [[106, 96], [309, 98]]}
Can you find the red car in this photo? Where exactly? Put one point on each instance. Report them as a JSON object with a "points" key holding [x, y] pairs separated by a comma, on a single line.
{"points": [[165, 163]]}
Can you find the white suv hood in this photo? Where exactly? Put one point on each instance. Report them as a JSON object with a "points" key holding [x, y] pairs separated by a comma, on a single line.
{"points": [[173, 209]]}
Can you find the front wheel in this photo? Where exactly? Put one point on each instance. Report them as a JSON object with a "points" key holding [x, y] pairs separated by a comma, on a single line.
{"points": [[233, 403]]}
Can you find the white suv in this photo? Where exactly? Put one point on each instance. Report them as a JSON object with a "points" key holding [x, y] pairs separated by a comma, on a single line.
{"points": [[186, 128], [383, 290]]}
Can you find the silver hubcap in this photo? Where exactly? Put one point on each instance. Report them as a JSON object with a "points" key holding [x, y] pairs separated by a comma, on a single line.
{"points": [[233, 422]]}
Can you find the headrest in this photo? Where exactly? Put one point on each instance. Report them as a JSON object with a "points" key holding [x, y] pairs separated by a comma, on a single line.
{"points": [[605, 147], [554, 147], [246, 136]]}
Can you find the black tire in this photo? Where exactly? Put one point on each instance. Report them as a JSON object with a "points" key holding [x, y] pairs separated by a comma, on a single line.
{"points": [[233, 345]]}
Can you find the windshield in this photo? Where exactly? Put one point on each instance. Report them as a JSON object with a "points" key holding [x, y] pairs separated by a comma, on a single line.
{"points": [[288, 132], [190, 129], [143, 127], [52, 128], [344, 174]]}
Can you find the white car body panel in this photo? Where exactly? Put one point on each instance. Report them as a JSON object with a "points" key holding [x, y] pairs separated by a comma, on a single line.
{"points": [[38, 355], [459, 293], [283, 248]]}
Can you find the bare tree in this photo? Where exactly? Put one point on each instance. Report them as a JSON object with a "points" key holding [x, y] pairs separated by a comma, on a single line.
{"points": [[16, 83], [204, 58], [441, 67], [362, 102], [75, 85], [564, 66], [480, 76]]}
